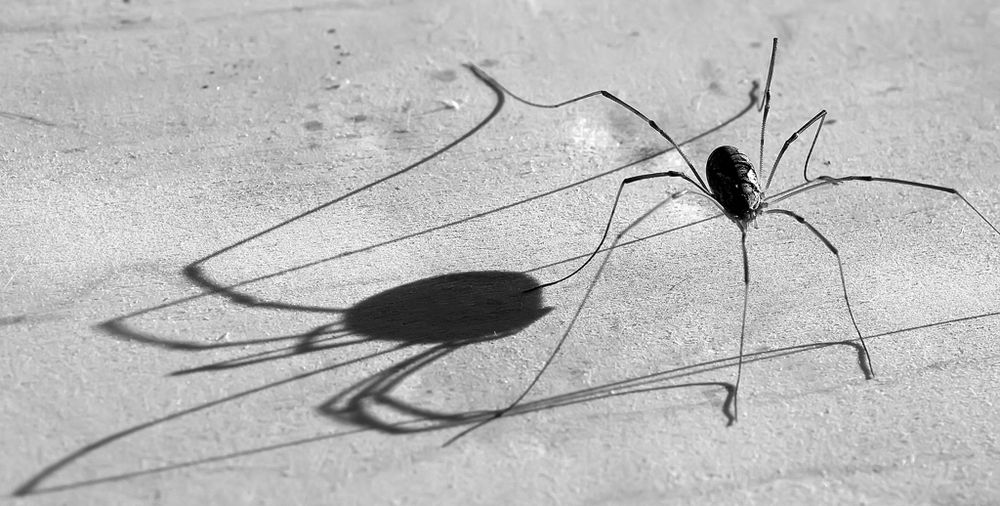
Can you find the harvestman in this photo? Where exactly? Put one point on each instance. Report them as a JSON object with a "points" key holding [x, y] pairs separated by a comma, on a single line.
{"points": [[734, 188]]}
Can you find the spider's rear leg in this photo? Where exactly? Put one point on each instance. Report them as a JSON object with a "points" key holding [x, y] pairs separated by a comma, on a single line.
{"points": [[614, 207], [829, 180], [822, 181], [870, 371]]}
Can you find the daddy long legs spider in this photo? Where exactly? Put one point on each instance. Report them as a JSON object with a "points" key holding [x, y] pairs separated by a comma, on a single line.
{"points": [[732, 184]]}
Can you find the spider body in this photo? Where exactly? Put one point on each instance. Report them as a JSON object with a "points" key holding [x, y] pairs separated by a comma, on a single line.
{"points": [[733, 181]]}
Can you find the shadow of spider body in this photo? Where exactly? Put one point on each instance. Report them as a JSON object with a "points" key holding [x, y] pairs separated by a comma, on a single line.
{"points": [[734, 187]]}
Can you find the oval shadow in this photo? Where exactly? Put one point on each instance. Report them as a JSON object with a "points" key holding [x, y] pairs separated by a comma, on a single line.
{"points": [[451, 308]]}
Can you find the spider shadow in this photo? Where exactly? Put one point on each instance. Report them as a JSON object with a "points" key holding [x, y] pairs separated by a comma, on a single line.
{"points": [[450, 310], [370, 403]]}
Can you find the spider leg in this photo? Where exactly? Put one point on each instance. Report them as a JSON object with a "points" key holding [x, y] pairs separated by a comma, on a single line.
{"points": [[870, 373], [821, 117], [610, 218], [652, 124], [766, 102], [827, 180], [743, 324], [500, 413]]}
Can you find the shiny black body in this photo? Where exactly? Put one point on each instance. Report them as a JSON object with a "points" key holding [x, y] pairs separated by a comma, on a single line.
{"points": [[733, 182]]}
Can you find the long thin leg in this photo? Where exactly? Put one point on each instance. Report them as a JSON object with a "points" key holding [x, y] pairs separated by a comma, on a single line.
{"points": [[843, 281], [701, 183], [827, 180], [801, 188], [607, 227], [766, 103], [562, 339], [743, 324], [821, 117]]}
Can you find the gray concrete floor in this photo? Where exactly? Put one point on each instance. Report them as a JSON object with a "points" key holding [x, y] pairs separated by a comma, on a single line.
{"points": [[231, 274]]}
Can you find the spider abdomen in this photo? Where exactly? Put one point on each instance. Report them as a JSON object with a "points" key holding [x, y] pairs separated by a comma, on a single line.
{"points": [[733, 181]]}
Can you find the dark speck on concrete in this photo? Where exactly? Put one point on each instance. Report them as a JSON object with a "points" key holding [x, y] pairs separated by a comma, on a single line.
{"points": [[444, 75], [126, 22], [331, 30], [890, 90], [312, 125], [10, 320], [358, 118]]}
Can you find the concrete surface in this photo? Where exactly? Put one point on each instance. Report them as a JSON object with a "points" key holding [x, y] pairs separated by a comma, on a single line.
{"points": [[232, 275]]}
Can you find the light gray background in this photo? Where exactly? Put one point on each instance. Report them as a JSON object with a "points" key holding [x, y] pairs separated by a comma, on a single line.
{"points": [[139, 137]]}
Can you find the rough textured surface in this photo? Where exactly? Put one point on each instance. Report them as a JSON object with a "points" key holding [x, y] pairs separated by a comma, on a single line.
{"points": [[157, 348]]}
